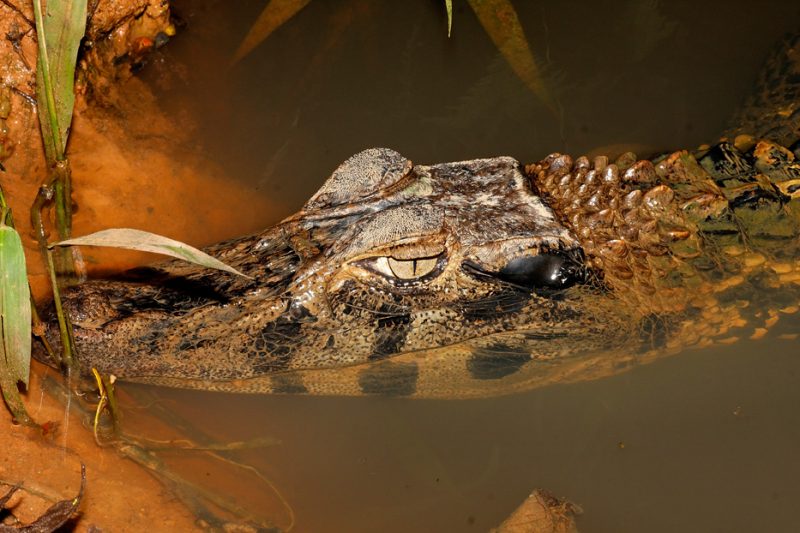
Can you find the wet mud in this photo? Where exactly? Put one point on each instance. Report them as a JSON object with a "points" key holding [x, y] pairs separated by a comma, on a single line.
{"points": [[133, 165]]}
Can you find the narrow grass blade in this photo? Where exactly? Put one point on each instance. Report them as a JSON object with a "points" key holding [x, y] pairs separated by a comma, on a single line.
{"points": [[15, 307], [144, 241], [500, 21], [271, 18], [448, 4], [59, 30]]}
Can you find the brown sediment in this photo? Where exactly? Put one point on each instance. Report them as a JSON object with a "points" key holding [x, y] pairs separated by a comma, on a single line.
{"points": [[136, 172], [132, 166], [120, 496]]}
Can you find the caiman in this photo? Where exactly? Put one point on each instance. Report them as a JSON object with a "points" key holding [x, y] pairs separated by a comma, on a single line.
{"points": [[480, 277]]}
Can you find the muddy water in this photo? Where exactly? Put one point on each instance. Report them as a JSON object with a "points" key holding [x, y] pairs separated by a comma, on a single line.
{"points": [[704, 441]]}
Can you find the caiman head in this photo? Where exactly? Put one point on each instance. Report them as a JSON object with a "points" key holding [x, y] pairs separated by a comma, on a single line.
{"points": [[443, 280], [479, 277]]}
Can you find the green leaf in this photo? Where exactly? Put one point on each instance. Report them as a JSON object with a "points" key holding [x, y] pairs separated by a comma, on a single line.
{"points": [[59, 31], [144, 241], [271, 18], [15, 307], [448, 4], [500, 21]]}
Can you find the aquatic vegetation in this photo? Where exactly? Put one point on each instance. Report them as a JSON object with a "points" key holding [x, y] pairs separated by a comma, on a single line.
{"points": [[59, 30], [500, 21], [15, 316], [60, 27], [271, 18], [448, 5], [144, 241], [497, 17]]}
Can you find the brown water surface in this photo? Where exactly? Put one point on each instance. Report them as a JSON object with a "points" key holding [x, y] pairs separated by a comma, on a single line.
{"points": [[704, 441]]}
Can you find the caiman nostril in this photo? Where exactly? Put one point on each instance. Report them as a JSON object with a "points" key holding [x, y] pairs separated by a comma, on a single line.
{"points": [[544, 271]]}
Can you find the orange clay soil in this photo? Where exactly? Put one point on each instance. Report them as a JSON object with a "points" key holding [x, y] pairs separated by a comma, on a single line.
{"points": [[137, 170], [128, 172], [132, 166], [120, 496]]}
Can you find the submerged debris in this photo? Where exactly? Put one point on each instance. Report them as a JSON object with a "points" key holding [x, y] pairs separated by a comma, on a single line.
{"points": [[541, 512], [53, 518]]}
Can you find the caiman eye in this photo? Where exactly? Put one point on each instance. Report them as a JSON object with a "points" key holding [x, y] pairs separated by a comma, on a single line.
{"points": [[544, 271], [405, 269]]}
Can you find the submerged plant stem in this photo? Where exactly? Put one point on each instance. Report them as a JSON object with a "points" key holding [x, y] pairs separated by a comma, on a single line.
{"points": [[12, 399], [108, 402], [64, 325], [65, 328], [62, 185], [59, 29], [62, 200]]}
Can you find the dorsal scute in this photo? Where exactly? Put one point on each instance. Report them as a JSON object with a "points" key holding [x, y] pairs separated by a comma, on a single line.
{"points": [[361, 176]]}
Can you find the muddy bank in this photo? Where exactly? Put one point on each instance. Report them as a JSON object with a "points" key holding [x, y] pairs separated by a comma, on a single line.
{"points": [[133, 165], [119, 496]]}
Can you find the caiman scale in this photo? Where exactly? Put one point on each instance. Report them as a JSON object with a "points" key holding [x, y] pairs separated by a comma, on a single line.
{"points": [[480, 277]]}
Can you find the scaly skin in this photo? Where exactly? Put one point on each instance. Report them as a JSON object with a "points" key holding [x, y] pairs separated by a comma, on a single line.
{"points": [[652, 259], [470, 279]]}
